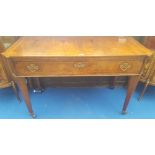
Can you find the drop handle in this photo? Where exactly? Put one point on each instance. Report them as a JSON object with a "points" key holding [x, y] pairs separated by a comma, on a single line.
{"points": [[32, 67], [79, 65], [125, 66]]}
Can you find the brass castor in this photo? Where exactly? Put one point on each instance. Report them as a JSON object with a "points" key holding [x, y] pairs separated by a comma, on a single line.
{"points": [[33, 115], [124, 112]]}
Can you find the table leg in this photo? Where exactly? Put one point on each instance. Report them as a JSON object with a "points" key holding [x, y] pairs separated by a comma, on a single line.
{"points": [[24, 90], [144, 89], [112, 82], [39, 88], [132, 84], [15, 90]]}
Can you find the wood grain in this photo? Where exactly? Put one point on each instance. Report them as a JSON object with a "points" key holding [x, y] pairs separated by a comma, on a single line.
{"points": [[76, 46]]}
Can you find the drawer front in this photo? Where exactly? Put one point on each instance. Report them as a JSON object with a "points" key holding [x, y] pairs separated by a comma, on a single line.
{"points": [[76, 68]]}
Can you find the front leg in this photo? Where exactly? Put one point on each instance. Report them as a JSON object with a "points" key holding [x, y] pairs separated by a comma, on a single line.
{"points": [[24, 90], [132, 84]]}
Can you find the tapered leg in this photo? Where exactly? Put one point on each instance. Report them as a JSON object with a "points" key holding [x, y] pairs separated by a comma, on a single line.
{"points": [[15, 90], [24, 90], [112, 82], [145, 87], [132, 84]]}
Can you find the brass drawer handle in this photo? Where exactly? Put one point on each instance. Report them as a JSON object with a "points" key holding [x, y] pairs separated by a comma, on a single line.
{"points": [[124, 66], [32, 67], [79, 65]]}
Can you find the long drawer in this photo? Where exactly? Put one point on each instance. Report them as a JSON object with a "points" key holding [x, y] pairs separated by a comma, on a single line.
{"points": [[76, 68]]}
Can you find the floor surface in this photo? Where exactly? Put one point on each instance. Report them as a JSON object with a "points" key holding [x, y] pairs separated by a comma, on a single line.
{"points": [[79, 103]]}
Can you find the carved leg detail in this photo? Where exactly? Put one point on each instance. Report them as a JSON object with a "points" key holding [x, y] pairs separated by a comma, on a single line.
{"points": [[24, 90], [132, 84]]}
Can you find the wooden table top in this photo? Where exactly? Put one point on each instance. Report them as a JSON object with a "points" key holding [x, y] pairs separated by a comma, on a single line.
{"points": [[76, 46]]}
